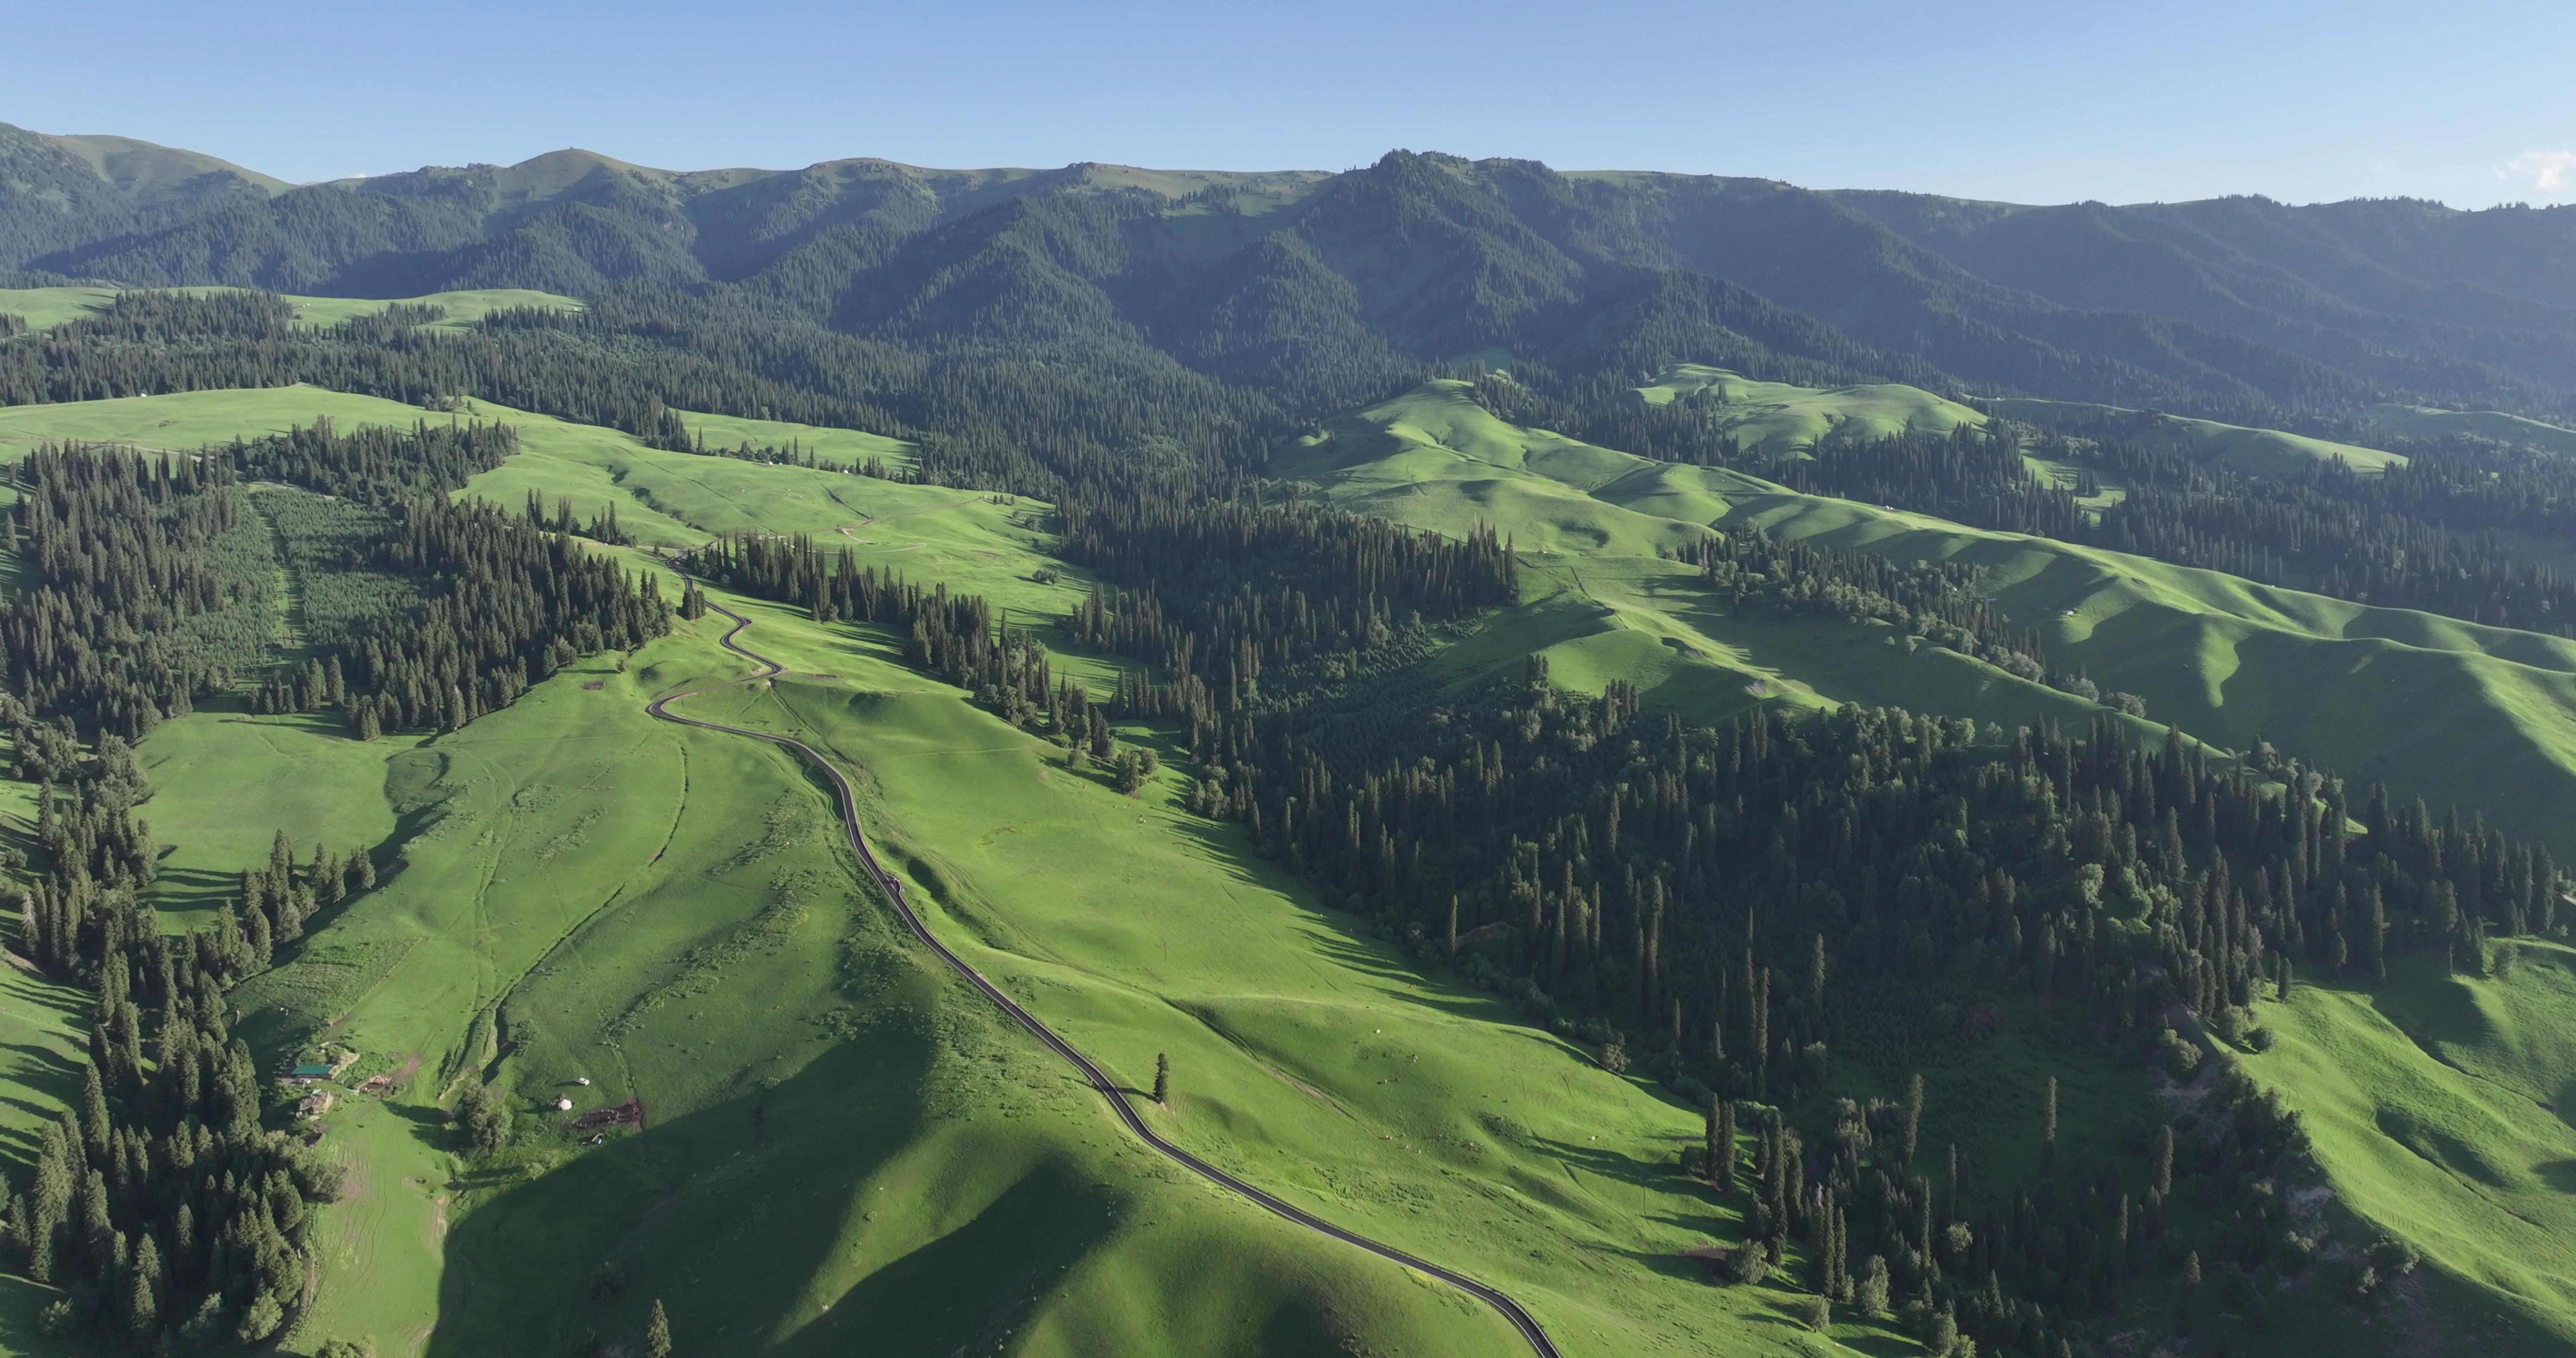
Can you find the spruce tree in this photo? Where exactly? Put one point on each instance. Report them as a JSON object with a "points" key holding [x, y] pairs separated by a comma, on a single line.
{"points": [[1913, 1120], [657, 1332], [2048, 1130], [1709, 1151]]}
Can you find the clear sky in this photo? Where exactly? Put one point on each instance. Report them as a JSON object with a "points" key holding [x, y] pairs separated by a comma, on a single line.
{"points": [[2116, 100]]}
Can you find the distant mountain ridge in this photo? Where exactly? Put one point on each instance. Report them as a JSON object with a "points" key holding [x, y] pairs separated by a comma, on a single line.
{"points": [[1294, 281]]}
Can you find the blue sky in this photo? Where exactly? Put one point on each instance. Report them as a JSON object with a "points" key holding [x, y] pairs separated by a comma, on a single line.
{"points": [[2035, 102]]}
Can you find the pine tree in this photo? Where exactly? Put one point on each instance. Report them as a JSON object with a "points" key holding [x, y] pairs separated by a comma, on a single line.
{"points": [[657, 1332], [1913, 1121], [1162, 1077], [1709, 1150], [1725, 1168], [2048, 1130], [143, 1293]]}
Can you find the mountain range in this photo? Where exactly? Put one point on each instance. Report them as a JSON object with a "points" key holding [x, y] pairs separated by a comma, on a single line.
{"points": [[1314, 286]]}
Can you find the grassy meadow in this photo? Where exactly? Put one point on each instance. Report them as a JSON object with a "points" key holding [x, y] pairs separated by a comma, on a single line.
{"points": [[2255, 452], [2455, 712], [1777, 418], [46, 308], [2443, 1111], [2429, 423], [846, 1149]]}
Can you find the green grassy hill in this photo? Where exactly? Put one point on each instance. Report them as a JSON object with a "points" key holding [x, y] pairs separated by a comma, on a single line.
{"points": [[46, 308], [2428, 422], [586, 894], [2258, 452], [2457, 713], [2437, 1104], [2440, 1107], [1777, 418]]}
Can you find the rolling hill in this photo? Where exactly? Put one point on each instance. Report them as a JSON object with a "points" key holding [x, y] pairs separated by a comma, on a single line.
{"points": [[2446, 710]]}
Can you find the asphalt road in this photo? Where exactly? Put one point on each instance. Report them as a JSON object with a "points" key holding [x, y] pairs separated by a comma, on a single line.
{"points": [[1511, 1310]]}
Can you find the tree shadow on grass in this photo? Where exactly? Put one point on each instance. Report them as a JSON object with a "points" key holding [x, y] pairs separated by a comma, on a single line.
{"points": [[20, 1302], [975, 1283], [194, 888], [724, 1233]]}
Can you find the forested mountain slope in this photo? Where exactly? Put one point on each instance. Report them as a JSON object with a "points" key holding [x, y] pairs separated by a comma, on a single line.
{"points": [[1302, 282]]}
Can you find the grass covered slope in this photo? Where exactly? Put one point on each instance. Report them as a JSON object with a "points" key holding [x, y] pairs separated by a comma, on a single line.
{"points": [[1306, 1055], [587, 892], [1774, 418], [662, 498], [2430, 423], [2455, 712], [574, 889], [2440, 1107], [46, 308], [844, 1144], [2257, 452]]}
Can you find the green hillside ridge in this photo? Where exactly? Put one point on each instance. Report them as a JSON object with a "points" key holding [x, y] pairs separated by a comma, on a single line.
{"points": [[2454, 712], [1777, 418], [2430, 423], [665, 912], [46, 308], [2256, 452], [555, 864], [552, 855], [704, 495], [2448, 1140], [2440, 1107]]}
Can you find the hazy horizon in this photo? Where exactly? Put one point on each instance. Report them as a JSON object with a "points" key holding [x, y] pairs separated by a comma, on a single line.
{"points": [[2005, 100]]}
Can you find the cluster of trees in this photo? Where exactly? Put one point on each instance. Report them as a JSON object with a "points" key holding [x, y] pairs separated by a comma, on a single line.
{"points": [[602, 527], [2338, 533], [83, 903], [160, 1206], [1230, 591], [1736, 907], [1690, 428], [954, 636], [373, 464], [133, 557], [518, 604], [124, 554], [1969, 475], [794, 453], [278, 901]]}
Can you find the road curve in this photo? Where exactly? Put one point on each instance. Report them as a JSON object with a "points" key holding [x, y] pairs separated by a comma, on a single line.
{"points": [[1511, 1310]]}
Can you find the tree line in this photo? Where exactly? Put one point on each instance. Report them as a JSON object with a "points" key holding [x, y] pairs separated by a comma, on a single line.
{"points": [[2420, 535]]}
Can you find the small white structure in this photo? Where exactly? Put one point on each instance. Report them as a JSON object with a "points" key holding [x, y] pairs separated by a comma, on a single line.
{"points": [[584, 1082], [563, 1105]]}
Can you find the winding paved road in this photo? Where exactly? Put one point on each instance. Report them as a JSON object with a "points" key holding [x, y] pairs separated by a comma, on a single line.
{"points": [[1520, 1319]]}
